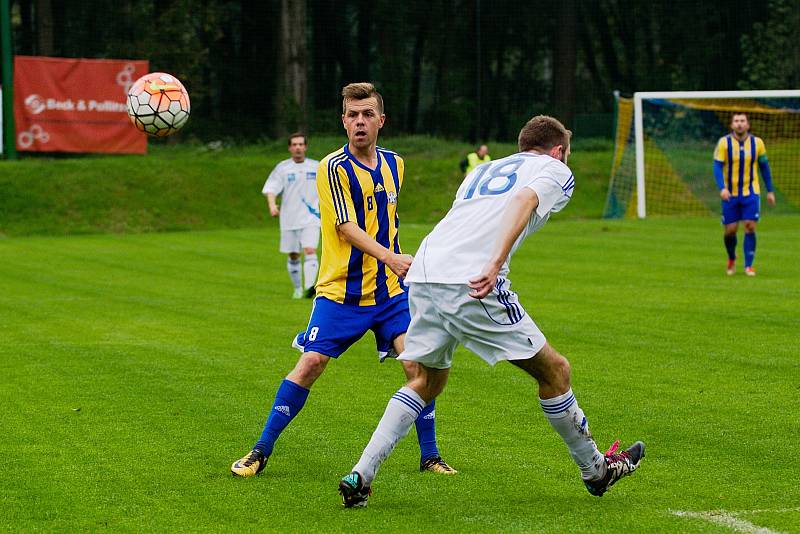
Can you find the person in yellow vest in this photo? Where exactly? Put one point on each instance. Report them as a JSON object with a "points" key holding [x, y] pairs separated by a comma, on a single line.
{"points": [[481, 155]]}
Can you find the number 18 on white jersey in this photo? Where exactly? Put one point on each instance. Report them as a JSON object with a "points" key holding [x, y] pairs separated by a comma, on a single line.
{"points": [[463, 242]]}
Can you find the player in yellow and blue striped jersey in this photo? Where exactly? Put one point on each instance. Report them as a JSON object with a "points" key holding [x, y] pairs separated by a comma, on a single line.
{"points": [[360, 284], [738, 158]]}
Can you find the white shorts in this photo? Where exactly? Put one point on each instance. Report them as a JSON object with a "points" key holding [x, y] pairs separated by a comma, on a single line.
{"points": [[443, 315], [297, 240]]}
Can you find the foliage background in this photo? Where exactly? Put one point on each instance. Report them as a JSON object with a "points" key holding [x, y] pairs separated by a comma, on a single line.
{"points": [[466, 69]]}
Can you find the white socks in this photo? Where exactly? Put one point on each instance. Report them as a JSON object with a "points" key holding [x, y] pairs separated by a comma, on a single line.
{"points": [[310, 266], [293, 266], [401, 412], [567, 418]]}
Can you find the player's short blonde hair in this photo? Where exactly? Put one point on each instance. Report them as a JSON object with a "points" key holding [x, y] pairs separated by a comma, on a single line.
{"points": [[543, 133], [360, 91]]}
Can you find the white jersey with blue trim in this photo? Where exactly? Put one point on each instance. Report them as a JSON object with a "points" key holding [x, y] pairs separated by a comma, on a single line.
{"points": [[297, 185], [463, 242]]}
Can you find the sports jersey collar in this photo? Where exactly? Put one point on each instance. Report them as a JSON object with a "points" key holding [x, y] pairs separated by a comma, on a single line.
{"points": [[532, 155], [733, 137], [354, 160]]}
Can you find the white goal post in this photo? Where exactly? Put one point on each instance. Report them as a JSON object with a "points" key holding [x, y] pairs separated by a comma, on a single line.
{"points": [[641, 206]]}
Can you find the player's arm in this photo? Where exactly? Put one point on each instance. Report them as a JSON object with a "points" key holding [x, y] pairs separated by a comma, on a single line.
{"points": [[766, 172], [272, 188], [515, 218], [274, 210], [719, 166], [336, 203], [353, 234]]}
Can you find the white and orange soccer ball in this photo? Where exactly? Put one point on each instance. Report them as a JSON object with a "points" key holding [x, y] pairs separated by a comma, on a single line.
{"points": [[158, 104]]}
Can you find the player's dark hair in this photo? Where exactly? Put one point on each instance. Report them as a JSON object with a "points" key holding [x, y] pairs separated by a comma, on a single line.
{"points": [[298, 134], [360, 91], [543, 133], [740, 113]]}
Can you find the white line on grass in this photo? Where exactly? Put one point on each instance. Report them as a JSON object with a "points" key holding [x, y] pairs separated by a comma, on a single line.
{"points": [[730, 519], [773, 511]]}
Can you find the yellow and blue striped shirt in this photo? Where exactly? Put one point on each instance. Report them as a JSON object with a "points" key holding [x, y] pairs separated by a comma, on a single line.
{"points": [[351, 192], [740, 163]]}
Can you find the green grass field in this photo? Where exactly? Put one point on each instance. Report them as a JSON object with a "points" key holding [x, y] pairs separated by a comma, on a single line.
{"points": [[135, 368]]}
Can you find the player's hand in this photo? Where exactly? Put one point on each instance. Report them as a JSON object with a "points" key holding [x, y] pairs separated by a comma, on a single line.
{"points": [[724, 194], [399, 263], [484, 283], [274, 211], [771, 199]]}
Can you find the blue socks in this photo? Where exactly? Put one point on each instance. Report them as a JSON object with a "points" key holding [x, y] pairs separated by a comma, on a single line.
{"points": [[288, 402], [426, 431], [749, 249], [730, 246]]}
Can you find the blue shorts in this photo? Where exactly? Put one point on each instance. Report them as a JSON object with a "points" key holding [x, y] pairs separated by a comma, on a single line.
{"points": [[334, 327], [740, 209]]}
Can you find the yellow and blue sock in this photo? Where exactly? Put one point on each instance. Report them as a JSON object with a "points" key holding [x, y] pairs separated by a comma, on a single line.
{"points": [[289, 400], [749, 249], [426, 432]]}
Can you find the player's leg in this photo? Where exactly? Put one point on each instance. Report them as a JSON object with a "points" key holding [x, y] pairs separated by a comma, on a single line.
{"points": [[332, 328], [498, 328], [749, 247], [729, 237], [289, 400], [427, 343], [598, 471], [731, 215], [552, 371], [430, 459], [402, 410], [750, 214], [290, 245], [309, 240], [392, 324]]}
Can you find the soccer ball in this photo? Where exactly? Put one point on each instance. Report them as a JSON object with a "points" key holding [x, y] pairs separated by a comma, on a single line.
{"points": [[158, 104]]}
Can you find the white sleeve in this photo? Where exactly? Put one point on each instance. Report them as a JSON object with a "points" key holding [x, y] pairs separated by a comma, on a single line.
{"points": [[553, 185], [274, 183]]}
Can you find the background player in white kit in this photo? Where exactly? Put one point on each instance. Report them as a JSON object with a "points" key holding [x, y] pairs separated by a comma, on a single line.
{"points": [[459, 293], [295, 179]]}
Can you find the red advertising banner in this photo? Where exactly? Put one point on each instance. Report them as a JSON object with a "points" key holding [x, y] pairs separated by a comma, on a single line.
{"points": [[75, 105]]}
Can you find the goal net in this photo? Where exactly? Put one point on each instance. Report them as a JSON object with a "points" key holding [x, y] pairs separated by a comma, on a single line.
{"points": [[665, 144]]}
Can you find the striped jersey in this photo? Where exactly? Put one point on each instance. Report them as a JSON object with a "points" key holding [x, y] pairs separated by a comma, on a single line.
{"points": [[349, 191], [740, 163]]}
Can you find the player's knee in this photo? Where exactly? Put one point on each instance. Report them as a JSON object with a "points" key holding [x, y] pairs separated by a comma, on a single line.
{"points": [[561, 371], [411, 369], [552, 368], [428, 384], [308, 251], [309, 368], [294, 256], [750, 226]]}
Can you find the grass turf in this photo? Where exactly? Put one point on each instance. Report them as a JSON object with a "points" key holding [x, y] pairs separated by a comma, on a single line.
{"points": [[135, 368]]}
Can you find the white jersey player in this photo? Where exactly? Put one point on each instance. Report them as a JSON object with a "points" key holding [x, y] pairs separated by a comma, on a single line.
{"points": [[295, 179], [459, 293]]}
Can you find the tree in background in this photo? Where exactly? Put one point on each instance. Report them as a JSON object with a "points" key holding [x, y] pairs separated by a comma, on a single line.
{"points": [[468, 69], [771, 55]]}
